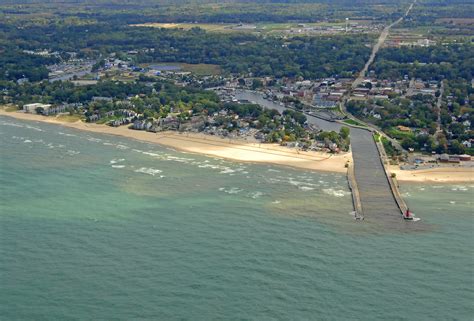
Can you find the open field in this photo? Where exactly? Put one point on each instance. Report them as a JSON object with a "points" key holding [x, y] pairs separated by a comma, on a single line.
{"points": [[353, 122], [456, 21], [219, 27], [252, 28], [198, 69], [68, 118], [438, 31]]}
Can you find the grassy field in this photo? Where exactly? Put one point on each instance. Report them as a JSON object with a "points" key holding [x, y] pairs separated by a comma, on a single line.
{"points": [[69, 118], [218, 27], [433, 32], [202, 69], [252, 28], [456, 21], [9, 108], [353, 122], [198, 69], [397, 134]]}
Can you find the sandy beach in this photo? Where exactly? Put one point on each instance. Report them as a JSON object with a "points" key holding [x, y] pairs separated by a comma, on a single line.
{"points": [[238, 150], [435, 175]]}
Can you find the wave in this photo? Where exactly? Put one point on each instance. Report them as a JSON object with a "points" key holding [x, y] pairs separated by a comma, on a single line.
{"points": [[232, 190], [255, 195], [34, 128], [150, 154], [149, 171], [115, 161], [3, 123], [301, 185], [227, 170], [336, 193], [92, 139], [179, 159], [68, 135]]}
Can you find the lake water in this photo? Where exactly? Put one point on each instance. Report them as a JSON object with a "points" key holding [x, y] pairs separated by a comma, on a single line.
{"points": [[95, 227]]}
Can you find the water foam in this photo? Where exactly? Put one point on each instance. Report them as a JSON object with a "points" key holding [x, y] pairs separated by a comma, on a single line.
{"points": [[118, 160], [231, 190], [335, 193], [149, 171], [255, 195]]}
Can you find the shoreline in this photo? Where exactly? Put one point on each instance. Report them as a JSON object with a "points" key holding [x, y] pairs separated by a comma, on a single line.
{"points": [[243, 151], [236, 150]]}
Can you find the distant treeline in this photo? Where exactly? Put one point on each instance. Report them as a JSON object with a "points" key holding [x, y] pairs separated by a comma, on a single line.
{"points": [[435, 62], [239, 53], [126, 12]]}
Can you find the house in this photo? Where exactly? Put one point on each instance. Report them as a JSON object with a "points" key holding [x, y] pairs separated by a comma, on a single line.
{"points": [[467, 144], [444, 158], [98, 98], [55, 110], [195, 124], [93, 118], [142, 125]]}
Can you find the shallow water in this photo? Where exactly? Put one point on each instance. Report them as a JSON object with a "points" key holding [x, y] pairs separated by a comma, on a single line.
{"points": [[100, 227]]}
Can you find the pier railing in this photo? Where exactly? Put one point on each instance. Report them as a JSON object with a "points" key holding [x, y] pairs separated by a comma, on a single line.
{"points": [[391, 180], [355, 192]]}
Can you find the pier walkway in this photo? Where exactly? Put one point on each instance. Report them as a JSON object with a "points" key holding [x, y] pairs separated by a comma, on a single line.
{"points": [[379, 196]]}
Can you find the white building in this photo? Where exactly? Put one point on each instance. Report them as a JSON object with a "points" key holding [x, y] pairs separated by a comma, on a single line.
{"points": [[31, 108]]}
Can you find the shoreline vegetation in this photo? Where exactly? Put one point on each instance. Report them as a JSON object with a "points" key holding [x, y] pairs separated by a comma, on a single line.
{"points": [[241, 150]]}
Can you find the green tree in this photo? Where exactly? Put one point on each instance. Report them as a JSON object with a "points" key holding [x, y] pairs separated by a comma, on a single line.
{"points": [[256, 83], [344, 132]]}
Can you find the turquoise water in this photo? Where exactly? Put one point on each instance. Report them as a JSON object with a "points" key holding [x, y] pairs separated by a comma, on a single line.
{"points": [[95, 227]]}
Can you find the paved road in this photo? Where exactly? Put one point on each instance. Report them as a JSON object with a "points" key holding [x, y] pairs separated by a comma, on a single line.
{"points": [[438, 107], [375, 49]]}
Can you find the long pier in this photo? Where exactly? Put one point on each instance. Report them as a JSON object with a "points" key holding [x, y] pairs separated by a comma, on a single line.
{"points": [[375, 193]]}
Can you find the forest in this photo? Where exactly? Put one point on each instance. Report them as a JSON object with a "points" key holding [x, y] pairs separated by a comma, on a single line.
{"points": [[435, 62], [127, 12], [239, 53]]}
